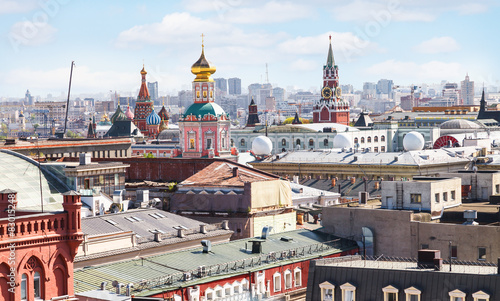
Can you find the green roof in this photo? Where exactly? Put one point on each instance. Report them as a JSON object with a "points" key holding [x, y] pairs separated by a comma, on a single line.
{"points": [[201, 109], [164, 272]]}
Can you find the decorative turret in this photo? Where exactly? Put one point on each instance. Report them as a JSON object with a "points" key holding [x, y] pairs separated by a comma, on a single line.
{"points": [[144, 92], [72, 205], [163, 114], [129, 113], [153, 118], [296, 119], [91, 132], [253, 116], [118, 115], [202, 68]]}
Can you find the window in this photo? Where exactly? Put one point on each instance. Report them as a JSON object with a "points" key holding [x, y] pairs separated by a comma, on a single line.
{"points": [[382, 149], [390, 293], [436, 197], [197, 94], [204, 94], [481, 296], [326, 291], [369, 139], [412, 294], [311, 142], [298, 277], [37, 285], [452, 195], [375, 149], [416, 198], [24, 283], [382, 138], [445, 196], [356, 140], [362, 139], [348, 292], [297, 142], [454, 252], [242, 142], [283, 142], [209, 143], [218, 291], [325, 143], [424, 246], [277, 282], [228, 290], [288, 279], [481, 253], [457, 295], [497, 189], [232, 142], [375, 139], [191, 143]]}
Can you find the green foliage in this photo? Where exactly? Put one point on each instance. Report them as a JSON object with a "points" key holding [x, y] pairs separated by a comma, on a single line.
{"points": [[303, 120], [149, 155]]}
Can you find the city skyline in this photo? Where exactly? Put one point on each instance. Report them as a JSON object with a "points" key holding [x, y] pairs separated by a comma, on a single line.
{"points": [[406, 42]]}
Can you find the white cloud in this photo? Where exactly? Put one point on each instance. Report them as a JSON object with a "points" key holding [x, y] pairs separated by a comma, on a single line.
{"points": [[438, 45], [472, 8], [304, 65], [29, 33], [380, 12], [346, 45], [413, 72], [16, 6], [271, 12]]}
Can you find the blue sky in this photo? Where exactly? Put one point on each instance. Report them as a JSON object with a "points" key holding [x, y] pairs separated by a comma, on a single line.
{"points": [[407, 41]]}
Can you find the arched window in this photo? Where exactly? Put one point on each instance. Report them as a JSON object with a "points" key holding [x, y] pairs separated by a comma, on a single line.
{"points": [[283, 142], [382, 138], [362, 139], [375, 139], [311, 142], [37, 285], [356, 140], [325, 142], [232, 142], [369, 139], [242, 142], [297, 142], [24, 287]]}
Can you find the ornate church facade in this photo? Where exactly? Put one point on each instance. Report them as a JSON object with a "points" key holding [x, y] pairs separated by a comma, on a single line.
{"points": [[204, 127]]}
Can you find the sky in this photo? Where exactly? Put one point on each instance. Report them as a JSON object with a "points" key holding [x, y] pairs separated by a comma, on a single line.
{"points": [[408, 41]]}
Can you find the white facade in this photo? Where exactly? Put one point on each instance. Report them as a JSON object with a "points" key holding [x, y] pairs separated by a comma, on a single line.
{"points": [[422, 194]]}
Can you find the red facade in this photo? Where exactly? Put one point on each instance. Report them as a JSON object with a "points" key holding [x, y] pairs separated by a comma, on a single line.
{"points": [[37, 249]]}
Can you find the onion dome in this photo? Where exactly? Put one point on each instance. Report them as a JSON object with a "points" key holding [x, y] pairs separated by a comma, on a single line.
{"points": [[163, 114], [129, 113], [163, 125], [202, 68], [199, 110], [118, 115], [153, 118]]}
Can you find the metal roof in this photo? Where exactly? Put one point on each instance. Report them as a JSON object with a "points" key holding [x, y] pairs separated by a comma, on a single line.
{"points": [[160, 273]]}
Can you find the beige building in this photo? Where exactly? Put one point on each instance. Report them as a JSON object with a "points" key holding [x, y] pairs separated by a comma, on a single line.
{"points": [[403, 233], [479, 185], [422, 194]]}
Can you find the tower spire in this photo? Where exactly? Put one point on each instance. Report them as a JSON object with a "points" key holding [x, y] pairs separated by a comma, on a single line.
{"points": [[330, 61]]}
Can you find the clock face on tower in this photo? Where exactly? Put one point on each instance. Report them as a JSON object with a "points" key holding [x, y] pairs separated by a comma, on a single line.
{"points": [[338, 92], [326, 92]]}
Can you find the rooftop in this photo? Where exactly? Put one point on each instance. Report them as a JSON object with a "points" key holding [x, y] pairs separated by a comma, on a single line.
{"points": [[220, 174], [156, 274]]}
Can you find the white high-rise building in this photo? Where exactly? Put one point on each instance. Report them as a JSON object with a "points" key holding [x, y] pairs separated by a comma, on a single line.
{"points": [[467, 91]]}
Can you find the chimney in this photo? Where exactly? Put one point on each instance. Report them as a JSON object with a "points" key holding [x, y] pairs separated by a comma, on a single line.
{"points": [[207, 246], [203, 229], [119, 288], [157, 236], [129, 289], [235, 171], [265, 232], [180, 233], [85, 159], [103, 285], [225, 225]]}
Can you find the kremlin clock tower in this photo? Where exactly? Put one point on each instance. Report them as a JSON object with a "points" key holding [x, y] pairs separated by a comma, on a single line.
{"points": [[331, 107], [204, 127]]}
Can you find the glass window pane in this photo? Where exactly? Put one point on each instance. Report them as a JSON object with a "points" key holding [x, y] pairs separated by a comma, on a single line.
{"points": [[36, 285], [24, 281]]}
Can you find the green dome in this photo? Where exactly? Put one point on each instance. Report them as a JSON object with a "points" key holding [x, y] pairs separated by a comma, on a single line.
{"points": [[118, 115], [202, 109]]}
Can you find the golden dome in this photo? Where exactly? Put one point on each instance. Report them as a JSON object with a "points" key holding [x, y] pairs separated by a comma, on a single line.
{"points": [[203, 68], [143, 71]]}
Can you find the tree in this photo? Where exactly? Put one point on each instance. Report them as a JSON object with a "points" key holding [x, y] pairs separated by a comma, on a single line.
{"points": [[149, 155]]}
